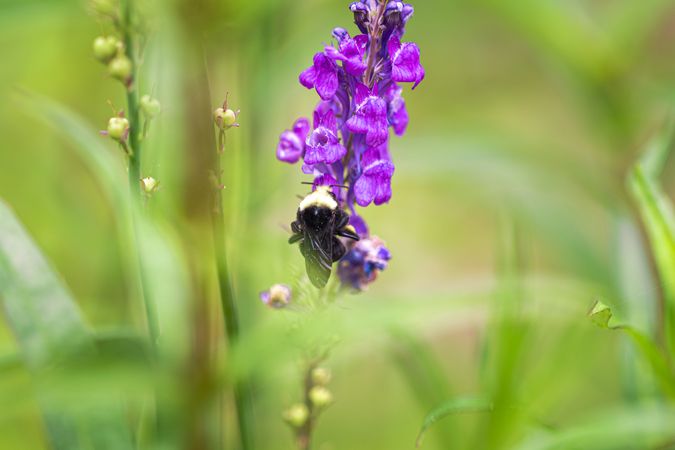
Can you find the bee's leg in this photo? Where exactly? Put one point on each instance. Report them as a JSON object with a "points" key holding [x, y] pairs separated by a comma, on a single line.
{"points": [[341, 219], [348, 232], [295, 227], [295, 238], [339, 250]]}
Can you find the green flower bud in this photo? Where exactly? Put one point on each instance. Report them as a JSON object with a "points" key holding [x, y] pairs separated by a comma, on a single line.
{"points": [[120, 68], [224, 118], [321, 376], [105, 48], [105, 7], [320, 396], [600, 314], [118, 128], [296, 415], [149, 185], [150, 106]]}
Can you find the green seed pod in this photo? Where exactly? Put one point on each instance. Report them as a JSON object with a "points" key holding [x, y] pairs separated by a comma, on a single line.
{"points": [[321, 376], [224, 118], [105, 48], [150, 107], [118, 128], [296, 415], [120, 68], [320, 396], [105, 7]]}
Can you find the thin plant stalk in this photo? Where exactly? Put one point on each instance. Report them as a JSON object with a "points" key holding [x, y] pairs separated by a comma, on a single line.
{"points": [[304, 434], [242, 392], [134, 155]]}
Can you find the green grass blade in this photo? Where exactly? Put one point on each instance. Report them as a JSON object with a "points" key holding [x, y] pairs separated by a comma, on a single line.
{"points": [[459, 405], [658, 218], [623, 429], [601, 315], [423, 373], [51, 334]]}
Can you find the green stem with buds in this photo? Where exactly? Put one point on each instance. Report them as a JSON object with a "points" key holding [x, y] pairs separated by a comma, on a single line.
{"points": [[134, 152], [242, 392]]}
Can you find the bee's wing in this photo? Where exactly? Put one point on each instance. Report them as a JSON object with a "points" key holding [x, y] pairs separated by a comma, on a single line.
{"points": [[318, 259]]}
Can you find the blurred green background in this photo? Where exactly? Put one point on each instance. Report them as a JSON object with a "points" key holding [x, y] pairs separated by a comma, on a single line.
{"points": [[509, 195]]}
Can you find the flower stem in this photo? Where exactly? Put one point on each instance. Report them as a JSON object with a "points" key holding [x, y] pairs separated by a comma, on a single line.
{"points": [[242, 392], [134, 155], [373, 48], [304, 434]]}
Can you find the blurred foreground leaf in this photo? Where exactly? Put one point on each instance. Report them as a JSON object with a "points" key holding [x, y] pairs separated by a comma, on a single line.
{"points": [[634, 428], [51, 334]]}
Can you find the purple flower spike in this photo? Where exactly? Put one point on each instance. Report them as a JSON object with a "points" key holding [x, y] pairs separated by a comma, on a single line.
{"points": [[374, 184], [323, 145], [405, 61], [323, 76], [370, 117], [292, 142], [358, 79]]}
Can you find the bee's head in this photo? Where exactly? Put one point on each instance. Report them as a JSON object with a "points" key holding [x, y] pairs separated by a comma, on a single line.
{"points": [[322, 197]]}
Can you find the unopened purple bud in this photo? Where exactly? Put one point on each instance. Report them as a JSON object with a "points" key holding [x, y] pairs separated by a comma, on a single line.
{"points": [[340, 34], [392, 15], [360, 11], [406, 13]]}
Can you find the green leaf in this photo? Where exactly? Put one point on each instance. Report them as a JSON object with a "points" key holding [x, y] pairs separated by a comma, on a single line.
{"points": [[51, 334], [656, 211], [600, 314], [459, 405]]}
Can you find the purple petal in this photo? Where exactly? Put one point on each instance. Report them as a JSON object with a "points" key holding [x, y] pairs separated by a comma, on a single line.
{"points": [[374, 184], [326, 82], [370, 119], [396, 110], [290, 147], [308, 77], [323, 146], [325, 118], [359, 225], [405, 61], [301, 128], [364, 190]]}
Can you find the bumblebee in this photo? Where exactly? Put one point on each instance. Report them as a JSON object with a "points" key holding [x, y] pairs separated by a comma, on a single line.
{"points": [[319, 222]]}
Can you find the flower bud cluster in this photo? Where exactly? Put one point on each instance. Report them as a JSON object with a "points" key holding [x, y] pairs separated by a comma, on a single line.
{"points": [[317, 398]]}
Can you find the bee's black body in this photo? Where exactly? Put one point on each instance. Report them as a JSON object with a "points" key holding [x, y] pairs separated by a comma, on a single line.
{"points": [[318, 223]]}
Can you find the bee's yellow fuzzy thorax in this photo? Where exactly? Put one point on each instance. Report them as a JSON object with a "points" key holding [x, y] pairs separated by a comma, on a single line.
{"points": [[320, 197]]}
